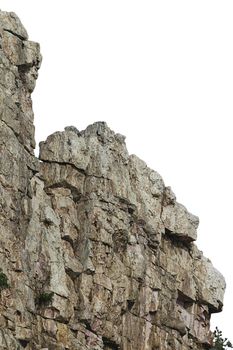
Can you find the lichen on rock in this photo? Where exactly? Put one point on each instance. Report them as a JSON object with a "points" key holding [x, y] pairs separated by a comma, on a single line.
{"points": [[93, 231]]}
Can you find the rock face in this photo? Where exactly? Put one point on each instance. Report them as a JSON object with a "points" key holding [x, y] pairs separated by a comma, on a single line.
{"points": [[97, 252]]}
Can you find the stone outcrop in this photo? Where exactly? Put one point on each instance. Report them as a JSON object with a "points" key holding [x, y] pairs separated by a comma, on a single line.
{"points": [[97, 252]]}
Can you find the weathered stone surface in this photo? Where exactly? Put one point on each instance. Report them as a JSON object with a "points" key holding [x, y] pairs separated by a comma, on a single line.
{"points": [[11, 23], [97, 251]]}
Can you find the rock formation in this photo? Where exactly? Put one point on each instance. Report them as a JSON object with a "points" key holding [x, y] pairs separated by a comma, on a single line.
{"points": [[95, 251]]}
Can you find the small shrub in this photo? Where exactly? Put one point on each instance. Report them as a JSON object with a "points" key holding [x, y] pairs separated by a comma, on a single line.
{"points": [[220, 343], [3, 281], [44, 298]]}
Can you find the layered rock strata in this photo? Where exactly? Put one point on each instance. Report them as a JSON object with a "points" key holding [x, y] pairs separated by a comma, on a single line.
{"points": [[97, 252]]}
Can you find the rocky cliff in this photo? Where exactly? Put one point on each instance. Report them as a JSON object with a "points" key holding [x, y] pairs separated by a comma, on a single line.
{"points": [[95, 251]]}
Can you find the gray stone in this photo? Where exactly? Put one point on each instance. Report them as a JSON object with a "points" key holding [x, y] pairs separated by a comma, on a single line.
{"points": [[97, 252]]}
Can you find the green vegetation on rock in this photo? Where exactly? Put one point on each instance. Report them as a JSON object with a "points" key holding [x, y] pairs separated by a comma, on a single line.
{"points": [[220, 343], [44, 298], [3, 281]]}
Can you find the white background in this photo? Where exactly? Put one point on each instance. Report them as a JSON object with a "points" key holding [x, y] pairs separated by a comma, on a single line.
{"points": [[159, 72]]}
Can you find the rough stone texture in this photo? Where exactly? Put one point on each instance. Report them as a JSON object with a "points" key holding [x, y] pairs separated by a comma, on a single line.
{"points": [[94, 226]]}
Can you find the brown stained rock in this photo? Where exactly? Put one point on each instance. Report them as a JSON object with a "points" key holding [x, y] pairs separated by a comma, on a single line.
{"points": [[96, 229]]}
